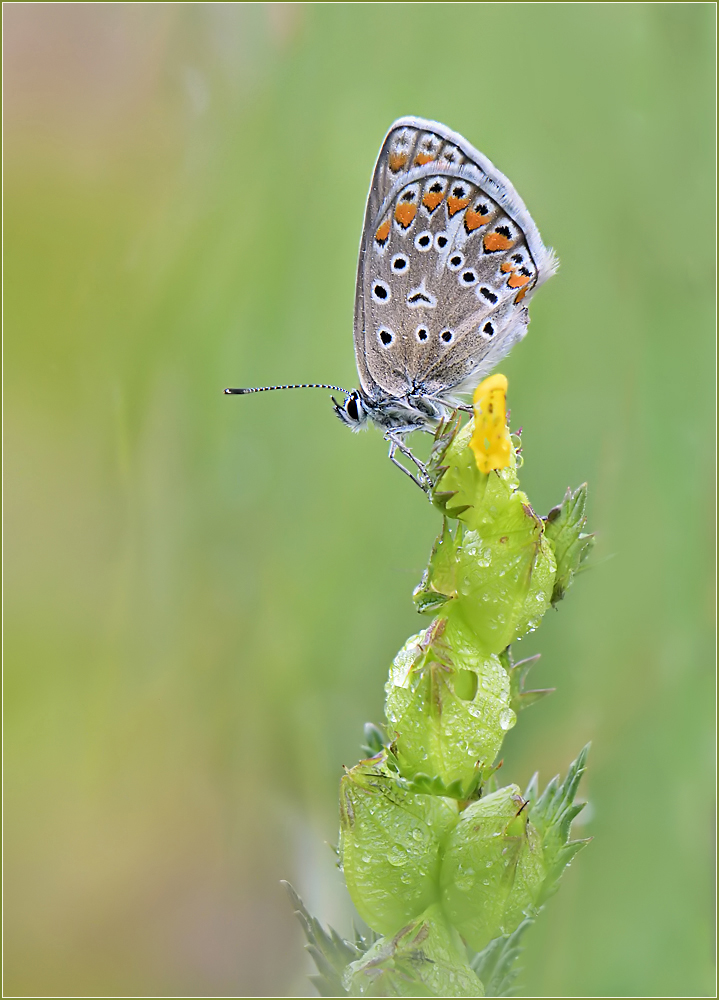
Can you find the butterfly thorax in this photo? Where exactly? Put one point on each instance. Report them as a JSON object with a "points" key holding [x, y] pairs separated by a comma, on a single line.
{"points": [[414, 411]]}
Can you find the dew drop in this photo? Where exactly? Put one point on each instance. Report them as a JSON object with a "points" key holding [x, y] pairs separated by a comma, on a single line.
{"points": [[464, 879], [507, 718], [397, 856]]}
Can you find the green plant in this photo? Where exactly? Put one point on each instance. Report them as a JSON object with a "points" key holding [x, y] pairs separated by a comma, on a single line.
{"points": [[446, 868]]}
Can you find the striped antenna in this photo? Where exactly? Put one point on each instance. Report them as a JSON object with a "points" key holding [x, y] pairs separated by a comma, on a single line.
{"points": [[269, 388]]}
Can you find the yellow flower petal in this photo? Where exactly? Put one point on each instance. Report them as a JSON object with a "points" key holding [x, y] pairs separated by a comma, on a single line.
{"points": [[490, 440]]}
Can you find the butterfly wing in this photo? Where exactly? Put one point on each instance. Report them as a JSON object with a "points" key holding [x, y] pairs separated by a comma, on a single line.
{"points": [[449, 260]]}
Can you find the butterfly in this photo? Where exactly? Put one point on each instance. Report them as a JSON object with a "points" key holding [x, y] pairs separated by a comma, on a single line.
{"points": [[449, 260]]}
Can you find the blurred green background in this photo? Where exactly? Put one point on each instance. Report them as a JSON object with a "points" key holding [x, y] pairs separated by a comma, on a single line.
{"points": [[204, 592]]}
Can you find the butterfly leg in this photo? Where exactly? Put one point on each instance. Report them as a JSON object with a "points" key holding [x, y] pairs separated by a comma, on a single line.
{"points": [[395, 444], [396, 461]]}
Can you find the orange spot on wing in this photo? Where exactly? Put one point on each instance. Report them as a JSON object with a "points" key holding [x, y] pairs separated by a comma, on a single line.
{"points": [[383, 232], [518, 280], [432, 199], [473, 220], [397, 161], [405, 213], [506, 267], [456, 204], [495, 241], [422, 158], [520, 294]]}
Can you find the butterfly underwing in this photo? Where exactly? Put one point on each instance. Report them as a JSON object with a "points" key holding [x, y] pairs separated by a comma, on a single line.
{"points": [[449, 260]]}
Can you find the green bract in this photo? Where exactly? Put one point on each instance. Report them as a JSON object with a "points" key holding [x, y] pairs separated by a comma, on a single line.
{"points": [[493, 868], [496, 566], [390, 843], [432, 858], [448, 706], [426, 958], [571, 545]]}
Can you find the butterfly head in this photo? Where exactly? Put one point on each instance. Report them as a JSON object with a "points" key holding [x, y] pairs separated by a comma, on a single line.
{"points": [[352, 411]]}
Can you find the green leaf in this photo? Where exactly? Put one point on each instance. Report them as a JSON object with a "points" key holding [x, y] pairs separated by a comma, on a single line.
{"points": [[375, 739], [564, 529], [438, 584], [552, 814], [443, 438], [549, 807], [519, 698], [495, 964], [330, 952], [463, 791]]}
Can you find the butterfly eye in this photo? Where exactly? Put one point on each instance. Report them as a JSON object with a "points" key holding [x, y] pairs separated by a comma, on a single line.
{"points": [[441, 240], [423, 241], [351, 408], [381, 292], [400, 263], [422, 333], [447, 336], [386, 336], [455, 261], [468, 278], [488, 294], [488, 331]]}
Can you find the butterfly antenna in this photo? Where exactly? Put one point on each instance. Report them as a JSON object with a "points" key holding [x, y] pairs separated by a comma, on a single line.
{"points": [[304, 385]]}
